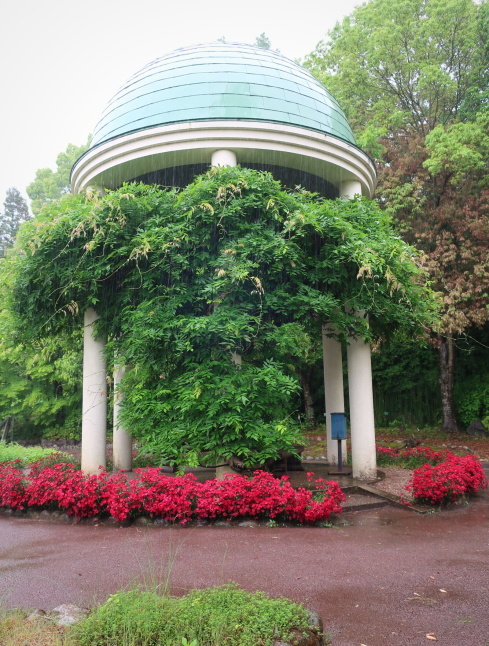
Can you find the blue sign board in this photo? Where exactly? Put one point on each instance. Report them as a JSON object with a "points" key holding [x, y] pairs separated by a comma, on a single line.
{"points": [[338, 426]]}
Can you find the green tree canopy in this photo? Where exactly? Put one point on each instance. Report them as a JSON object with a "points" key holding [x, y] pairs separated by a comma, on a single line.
{"points": [[50, 185], [404, 66], [15, 211], [412, 77], [40, 378], [183, 279], [263, 41]]}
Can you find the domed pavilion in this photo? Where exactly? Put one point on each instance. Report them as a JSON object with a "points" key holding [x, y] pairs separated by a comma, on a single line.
{"points": [[216, 105]]}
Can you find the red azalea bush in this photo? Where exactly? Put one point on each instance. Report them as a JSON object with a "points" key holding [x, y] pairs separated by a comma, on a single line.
{"points": [[118, 498], [12, 486], [64, 487], [172, 498], [409, 458], [263, 496], [448, 480]]}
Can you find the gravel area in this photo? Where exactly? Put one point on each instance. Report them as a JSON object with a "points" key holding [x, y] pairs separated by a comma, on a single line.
{"points": [[395, 480]]}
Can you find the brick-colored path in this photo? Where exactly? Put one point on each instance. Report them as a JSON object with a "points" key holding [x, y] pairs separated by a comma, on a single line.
{"points": [[388, 577]]}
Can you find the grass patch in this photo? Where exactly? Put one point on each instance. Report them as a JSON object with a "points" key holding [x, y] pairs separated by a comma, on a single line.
{"points": [[426, 435], [15, 630], [26, 454], [222, 616]]}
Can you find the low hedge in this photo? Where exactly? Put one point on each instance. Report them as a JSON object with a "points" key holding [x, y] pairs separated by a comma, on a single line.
{"points": [[178, 499]]}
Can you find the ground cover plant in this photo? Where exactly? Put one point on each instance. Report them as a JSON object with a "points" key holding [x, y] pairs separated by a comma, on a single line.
{"points": [[409, 458], [175, 499], [221, 616], [16, 630], [27, 455]]}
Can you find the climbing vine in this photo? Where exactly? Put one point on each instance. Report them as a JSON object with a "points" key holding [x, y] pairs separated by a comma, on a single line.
{"points": [[202, 291]]}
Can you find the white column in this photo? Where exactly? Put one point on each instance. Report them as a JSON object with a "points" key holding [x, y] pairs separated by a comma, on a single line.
{"points": [[333, 393], [223, 158], [94, 405], [236, 359], [350, 188], [122, 440], [361, 410]]}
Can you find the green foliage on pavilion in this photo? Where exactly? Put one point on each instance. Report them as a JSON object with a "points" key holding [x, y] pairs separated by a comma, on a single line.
{"points": [[184, 279]]}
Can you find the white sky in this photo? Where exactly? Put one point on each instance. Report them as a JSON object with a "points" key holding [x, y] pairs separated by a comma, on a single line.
{"points": [[61, 60]]}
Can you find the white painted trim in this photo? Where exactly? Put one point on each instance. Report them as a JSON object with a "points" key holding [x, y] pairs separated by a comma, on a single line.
{"points": [[126, 157]]}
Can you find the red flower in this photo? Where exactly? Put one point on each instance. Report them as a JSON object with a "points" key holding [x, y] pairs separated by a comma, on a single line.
{"points": [[447, 481]]}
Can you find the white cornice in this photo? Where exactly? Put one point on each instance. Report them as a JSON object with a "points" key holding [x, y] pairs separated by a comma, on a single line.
{"points": [[124, 158]]}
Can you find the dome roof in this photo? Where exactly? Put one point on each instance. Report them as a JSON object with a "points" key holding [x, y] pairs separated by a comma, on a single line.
{"points": [[220, 104], [222, 81]]}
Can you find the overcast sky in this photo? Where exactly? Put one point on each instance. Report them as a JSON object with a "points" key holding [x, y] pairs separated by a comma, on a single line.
{"points": [[61, 60]]}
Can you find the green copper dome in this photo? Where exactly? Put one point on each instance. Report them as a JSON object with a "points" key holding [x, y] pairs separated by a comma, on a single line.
{"points": [[222, 81]]}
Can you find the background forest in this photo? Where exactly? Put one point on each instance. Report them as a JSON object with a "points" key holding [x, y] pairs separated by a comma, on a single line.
{"points": [[413, 80]]}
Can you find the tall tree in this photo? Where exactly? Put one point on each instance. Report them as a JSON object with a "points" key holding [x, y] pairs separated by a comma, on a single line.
{"points": [[50, 185], [39, 378], [406, 74], [15, 211], [263, 41], [406, 66]]}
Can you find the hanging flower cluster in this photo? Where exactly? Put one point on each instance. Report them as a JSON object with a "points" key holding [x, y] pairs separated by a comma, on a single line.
{"points": [[177, 499]]}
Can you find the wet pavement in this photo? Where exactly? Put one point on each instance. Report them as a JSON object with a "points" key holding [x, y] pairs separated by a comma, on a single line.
{"points": [[385, 576]]}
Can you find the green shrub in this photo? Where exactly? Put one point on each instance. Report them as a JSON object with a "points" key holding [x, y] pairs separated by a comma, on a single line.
{"points": [[133, 617], [224, 615], [473, 400]]}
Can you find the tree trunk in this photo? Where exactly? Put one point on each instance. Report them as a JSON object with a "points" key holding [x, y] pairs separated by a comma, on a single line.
{"points": [[306, 376], [447, 372]]}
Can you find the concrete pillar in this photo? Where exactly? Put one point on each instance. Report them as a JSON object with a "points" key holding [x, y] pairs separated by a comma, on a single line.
{"points": [[122, 440], [350, 188], [94, 405], [363, 453], [223, 158], [333, 393]]}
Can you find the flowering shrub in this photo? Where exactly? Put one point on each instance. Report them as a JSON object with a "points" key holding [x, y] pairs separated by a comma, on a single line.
{"points": [[12, 489], [264, 496], [66, 488], [167, 497], [448, 480], [118, 498], [50, 460], [175, 499], [408, 458]]}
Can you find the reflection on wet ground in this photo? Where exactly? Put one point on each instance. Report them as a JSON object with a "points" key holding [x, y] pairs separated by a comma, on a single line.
{"points": [[367, 576]]}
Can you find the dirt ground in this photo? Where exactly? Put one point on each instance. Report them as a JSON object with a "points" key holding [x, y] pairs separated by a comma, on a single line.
{"points": [[462, 444], [384, 576]]}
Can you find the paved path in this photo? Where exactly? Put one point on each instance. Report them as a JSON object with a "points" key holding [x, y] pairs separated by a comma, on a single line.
{"points": [[388, 577]]}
